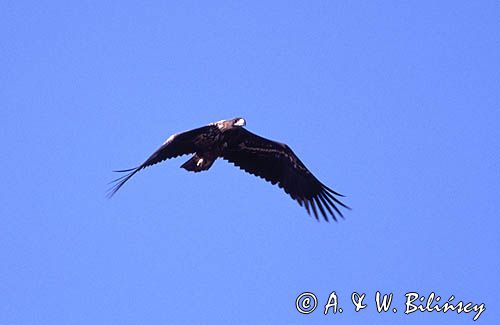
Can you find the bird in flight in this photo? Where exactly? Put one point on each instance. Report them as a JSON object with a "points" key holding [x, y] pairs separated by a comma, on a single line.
{"points": [[273, 161]]}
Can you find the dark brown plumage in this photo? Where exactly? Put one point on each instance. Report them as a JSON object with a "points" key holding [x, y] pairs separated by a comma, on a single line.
{"points": [[273, 161]]}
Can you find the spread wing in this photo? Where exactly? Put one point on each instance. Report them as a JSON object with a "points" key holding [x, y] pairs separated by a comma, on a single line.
{"points": [[277, 163], [176, 145]]}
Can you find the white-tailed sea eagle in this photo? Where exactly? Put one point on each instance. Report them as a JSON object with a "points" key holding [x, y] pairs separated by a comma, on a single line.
{"points": [[273, 161]]}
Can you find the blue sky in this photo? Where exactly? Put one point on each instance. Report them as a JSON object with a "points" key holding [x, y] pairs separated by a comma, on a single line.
{"points": [[394, 104]]}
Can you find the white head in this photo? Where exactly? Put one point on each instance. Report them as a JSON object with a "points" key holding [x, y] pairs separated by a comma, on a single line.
{"points": [[239, 121], [229, 124]]}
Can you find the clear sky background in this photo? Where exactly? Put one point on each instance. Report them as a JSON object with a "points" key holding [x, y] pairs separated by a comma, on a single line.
{"points": [[392, 103]]}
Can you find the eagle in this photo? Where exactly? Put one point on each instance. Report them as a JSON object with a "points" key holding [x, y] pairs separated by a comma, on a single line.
{"points": [[273, 161]]}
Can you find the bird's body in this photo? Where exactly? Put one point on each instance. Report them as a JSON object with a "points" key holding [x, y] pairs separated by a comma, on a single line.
{"points": [[273, 161]]}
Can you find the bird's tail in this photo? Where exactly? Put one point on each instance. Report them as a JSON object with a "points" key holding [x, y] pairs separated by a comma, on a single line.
{"points": [[197, 164]]}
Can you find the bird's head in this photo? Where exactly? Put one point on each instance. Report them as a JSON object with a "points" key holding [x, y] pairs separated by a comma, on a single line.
{"points": [[224, 125], [239, 121]]}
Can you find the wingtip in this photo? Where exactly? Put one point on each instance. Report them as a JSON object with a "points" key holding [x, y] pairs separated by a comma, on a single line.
{"points": [[120, 181], [110, 192], [332, 191], [124, 170]]}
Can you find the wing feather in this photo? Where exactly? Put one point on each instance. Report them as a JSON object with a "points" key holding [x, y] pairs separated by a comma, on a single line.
{"points": [[176, 145], [277, 163]]}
